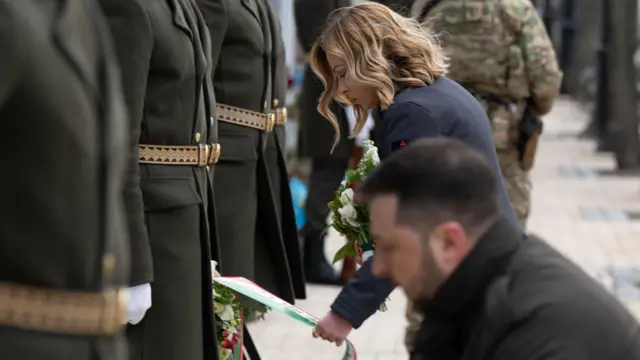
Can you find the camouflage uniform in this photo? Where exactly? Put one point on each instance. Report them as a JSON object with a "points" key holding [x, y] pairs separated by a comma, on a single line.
{"points": [[500, 51]]}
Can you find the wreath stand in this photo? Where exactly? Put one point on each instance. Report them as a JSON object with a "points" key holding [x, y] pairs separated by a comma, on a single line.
{"points": [[349, 263], [245, 349], [250, 350]]}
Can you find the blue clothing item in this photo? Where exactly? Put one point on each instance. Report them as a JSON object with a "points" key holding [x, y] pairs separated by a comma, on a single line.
{"points": [[443, 108], [299, 196]]}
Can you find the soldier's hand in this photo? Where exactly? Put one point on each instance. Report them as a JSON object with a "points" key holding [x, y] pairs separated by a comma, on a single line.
{"points": [[332, 328], [139, 303]]}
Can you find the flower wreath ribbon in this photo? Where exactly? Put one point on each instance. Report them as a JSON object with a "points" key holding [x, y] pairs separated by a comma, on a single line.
{"points": [[255, 292]]}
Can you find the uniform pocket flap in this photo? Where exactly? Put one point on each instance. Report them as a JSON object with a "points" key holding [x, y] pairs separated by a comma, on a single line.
{"points": [[237, 147], [165, 193]]}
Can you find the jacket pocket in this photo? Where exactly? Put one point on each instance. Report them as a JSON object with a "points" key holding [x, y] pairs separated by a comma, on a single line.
{"points": [[237, 148], [166, 193]]}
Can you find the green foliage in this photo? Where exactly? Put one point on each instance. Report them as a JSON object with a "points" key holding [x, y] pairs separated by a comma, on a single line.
{"points": [[355, 229], [348, 250], [253, 314]]}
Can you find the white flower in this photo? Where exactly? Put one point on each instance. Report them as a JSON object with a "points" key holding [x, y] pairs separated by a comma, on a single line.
{"points": [[218, 308], [375, 159], [343, 183], [230, 327], [346, 197], [232, 330], [349, 214], [226, 314], [371, 152], [370, 157]]}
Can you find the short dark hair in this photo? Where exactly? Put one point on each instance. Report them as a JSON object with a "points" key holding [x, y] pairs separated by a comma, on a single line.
{"points": [[437, 180]]}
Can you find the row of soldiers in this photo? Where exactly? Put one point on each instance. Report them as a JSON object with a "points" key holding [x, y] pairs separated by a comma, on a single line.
{"points": [[155, 144]]}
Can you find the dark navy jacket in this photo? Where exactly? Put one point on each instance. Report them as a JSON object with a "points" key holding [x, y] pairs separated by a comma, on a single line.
{"points": [[443, 108]]}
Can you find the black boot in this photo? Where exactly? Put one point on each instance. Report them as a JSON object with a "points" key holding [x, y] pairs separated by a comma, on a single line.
{"points": [[316, 267]]}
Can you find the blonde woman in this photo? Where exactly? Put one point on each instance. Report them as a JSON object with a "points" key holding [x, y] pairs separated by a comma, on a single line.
{"points": [[375, 60]]}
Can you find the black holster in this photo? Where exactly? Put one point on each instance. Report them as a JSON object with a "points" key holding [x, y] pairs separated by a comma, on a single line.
{"points": [[530, 129]]}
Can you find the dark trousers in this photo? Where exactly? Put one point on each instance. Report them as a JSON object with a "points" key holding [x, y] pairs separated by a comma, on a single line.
{"points": [[324, 180]]}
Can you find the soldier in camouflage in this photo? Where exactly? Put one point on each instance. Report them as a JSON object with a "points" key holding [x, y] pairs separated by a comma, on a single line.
{"points": [[499, 51]]}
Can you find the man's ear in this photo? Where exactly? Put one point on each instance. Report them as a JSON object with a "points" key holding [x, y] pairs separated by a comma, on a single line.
{"points": [[451, 245], [456, 236]]}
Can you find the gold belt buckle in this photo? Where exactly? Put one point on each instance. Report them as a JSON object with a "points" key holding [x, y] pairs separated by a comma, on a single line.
{"points": [[281, 116], [215, 154], [271, 121], [203, 154], [208, 154]]}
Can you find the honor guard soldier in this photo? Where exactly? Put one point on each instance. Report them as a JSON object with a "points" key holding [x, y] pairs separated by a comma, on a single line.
{"points": [[63, 236], [164, 51], [258, 235]]}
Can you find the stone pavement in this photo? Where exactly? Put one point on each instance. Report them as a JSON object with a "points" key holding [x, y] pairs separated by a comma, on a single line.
{"points": [[586, 216]]}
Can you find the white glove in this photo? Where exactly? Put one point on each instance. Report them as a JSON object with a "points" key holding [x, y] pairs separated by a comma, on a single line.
{"points": [[139, 303], [366, 129]]}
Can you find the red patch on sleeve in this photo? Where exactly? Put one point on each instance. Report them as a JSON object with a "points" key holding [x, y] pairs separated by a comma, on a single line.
{"points": [[399, 145]]}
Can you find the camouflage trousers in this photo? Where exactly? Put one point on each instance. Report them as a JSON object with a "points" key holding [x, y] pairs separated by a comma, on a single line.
{"points": [[517, 183], [519, 190]]}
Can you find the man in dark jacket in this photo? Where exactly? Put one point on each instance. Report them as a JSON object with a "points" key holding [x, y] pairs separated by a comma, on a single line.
{"points": [[488, 290]]}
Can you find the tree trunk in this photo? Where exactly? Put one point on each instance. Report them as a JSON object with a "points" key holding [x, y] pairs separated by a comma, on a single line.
{"points": [[623, 112]]}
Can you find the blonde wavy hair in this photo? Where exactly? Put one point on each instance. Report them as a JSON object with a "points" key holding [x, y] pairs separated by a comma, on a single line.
{"points": [[381, 49]]}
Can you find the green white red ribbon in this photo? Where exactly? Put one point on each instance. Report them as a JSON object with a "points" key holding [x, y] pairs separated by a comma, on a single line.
{"points": [[238, 352], [255, 292]]}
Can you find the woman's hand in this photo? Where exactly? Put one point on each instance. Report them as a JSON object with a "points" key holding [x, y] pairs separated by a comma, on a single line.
{"points": [[332, 328]]}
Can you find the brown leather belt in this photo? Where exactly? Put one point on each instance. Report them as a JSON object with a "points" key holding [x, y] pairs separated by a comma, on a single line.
{"points": [[62, 312], [252, 119], [194, 155]]}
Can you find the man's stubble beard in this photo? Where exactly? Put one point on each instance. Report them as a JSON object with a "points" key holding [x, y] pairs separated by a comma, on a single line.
{"points": [[430, 277]]}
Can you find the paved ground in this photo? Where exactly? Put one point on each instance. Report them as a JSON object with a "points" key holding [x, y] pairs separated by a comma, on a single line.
{"points": [[575, 209]]}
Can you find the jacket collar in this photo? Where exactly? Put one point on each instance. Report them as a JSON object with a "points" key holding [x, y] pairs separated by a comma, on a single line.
{"points": [[378, 113], [450, 315]]}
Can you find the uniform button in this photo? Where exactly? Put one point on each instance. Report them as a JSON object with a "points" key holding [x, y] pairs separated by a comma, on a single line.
{"points": [[197, 137], [276, 102]]}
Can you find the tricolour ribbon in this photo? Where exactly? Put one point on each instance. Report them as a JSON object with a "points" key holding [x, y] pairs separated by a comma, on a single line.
{"points": [[255, 292]]}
